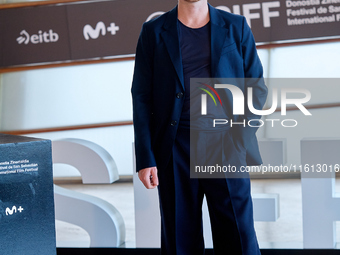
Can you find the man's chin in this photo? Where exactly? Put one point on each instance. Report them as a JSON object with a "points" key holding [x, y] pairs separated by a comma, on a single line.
{"points": [[192, 1]]}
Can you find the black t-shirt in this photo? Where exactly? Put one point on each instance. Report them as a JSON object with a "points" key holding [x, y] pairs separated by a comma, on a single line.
{"points": [[196, 60]]}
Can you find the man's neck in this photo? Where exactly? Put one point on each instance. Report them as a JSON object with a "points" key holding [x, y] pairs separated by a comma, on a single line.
{"points": [[194, 14]]}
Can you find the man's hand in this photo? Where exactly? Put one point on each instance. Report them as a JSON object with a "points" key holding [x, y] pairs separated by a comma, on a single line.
{"points": [[149, 177]]}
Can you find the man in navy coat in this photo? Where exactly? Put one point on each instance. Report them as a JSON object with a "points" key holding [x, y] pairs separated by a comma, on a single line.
{"points": [[195, 40]]}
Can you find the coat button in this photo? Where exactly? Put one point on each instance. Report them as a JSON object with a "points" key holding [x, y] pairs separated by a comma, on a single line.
{"points": [[173, 123], [179, 95]]}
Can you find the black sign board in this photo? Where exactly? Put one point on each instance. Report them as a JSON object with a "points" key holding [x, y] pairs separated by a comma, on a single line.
{"points": [[88, 30], [109, 28], [1, 37], [27, 223], [35, 35], [283, 20]]}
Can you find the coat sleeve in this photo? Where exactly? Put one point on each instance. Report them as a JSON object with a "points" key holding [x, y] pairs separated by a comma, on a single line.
{"points": [[141, 90], [253, 74]]}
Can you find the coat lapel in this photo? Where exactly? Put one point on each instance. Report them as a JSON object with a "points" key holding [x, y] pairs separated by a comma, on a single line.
{"points": [[218, 37], [170, 36], [171, 40]]}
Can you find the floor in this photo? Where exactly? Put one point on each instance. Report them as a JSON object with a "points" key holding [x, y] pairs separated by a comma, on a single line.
{"points": [[286, 232]]}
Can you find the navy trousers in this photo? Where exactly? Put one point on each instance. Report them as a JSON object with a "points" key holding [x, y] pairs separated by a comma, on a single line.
{"points": [[229, 203]]}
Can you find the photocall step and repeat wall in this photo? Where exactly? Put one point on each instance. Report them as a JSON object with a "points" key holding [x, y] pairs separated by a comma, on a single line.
{"points": [[87, 30], [107, 29]]}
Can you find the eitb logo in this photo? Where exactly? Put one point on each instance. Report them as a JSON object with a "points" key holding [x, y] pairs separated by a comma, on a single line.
{"points": [[40, 37]]}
